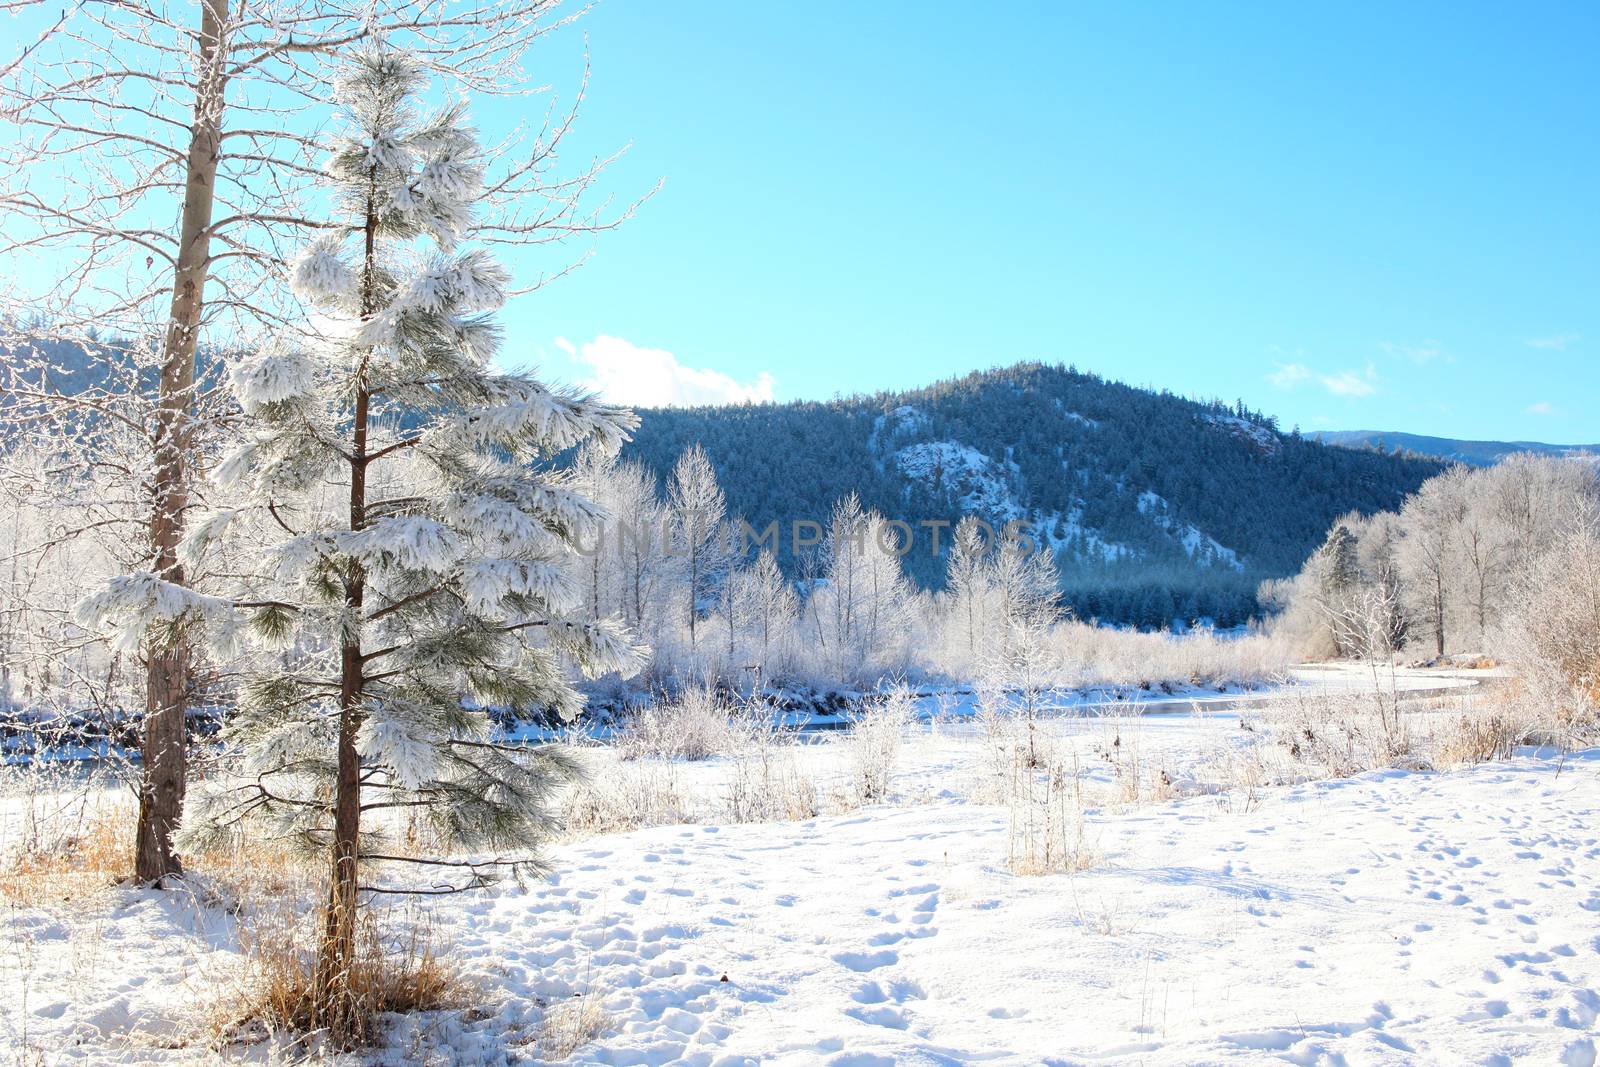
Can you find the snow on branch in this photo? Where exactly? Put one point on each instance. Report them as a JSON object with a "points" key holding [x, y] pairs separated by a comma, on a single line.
{"points": [[143, 607]]}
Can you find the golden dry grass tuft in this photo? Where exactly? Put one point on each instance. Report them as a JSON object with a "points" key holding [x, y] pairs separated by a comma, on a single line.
{"points": [[71, 859], [570, 1024], [273, 992]]}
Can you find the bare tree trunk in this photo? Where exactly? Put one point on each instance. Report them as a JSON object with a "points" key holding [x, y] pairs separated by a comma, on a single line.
{"points": [[694, 589], [1438, 614], [332, 988], [167, 670]]}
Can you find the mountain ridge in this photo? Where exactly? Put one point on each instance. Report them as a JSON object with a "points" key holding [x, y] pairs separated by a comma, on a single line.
{"points": [[1157, 506], [1463, 450]]}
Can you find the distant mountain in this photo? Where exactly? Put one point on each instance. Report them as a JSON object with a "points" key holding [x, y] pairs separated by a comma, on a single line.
{"points": [[1477, 453], [1157, 507]]}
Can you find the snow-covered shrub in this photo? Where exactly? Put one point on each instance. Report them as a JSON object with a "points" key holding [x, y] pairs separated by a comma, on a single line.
{"points": [[765, 780], [1478, 738], [617, 797], [874, 741], [1339, 734], [1097, 656], [695, 725]]}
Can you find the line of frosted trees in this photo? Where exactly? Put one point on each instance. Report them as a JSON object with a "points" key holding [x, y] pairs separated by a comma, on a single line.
{"points": [[1481, 560], [704, 590]]}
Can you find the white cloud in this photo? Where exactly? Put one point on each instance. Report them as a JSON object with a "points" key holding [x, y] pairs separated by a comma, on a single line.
{"points": [[1555, 342], [1289, 375], [626, 373], [1342, 383], [1421, 354], [1543, 407], [1349, 383]]}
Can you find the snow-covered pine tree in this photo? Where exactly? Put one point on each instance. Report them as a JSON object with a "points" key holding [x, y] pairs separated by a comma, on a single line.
{"points": [[425, 518]]}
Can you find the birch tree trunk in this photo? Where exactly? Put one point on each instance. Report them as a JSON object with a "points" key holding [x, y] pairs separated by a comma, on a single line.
{"points": [[167, 670]]}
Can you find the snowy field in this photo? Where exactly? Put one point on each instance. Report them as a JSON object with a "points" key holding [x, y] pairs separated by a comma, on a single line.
{"points": [[1390, 917]]}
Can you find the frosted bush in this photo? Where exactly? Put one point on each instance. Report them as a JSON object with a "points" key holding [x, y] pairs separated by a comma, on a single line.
{"points": [[626, 797], [874, 740], [694, 726], [765, 781]]}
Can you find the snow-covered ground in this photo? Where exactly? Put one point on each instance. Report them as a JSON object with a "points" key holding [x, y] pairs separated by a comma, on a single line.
{"points": [[1392, 917]]}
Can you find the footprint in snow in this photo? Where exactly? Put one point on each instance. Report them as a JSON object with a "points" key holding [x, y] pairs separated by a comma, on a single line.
{"points": [[890, 1018], [866, 961]]}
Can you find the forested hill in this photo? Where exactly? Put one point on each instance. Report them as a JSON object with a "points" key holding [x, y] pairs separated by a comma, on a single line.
{"points": [[1158, 507]]}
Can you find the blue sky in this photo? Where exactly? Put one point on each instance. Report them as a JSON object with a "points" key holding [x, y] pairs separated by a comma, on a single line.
{"points": [[1350, 215]]}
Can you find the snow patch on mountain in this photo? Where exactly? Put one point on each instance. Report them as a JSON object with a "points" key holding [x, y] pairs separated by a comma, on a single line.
{"points": [[976, 483], [1075, 416], [1201, 547], [903, 423], [1067, 533], [1262, 438]]}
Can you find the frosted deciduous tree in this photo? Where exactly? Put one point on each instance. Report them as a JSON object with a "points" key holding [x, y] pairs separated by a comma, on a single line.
{"points": [[698, 513], [1431, 518], [1482, 552], [772, 601], [966, 578], [646, 570], [1552, 635], [861, 612], [1337, 575], [1026, 590], [1377, 554], [450, 583]]}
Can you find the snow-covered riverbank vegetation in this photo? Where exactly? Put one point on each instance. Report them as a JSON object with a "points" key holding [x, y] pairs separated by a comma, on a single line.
{"points": [[1502, 562], [858, 624]]}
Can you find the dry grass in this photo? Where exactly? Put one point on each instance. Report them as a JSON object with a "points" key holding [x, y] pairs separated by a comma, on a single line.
{"points": [[84, 845], [765, 781], [75, 856], [1477, 739], [273, 992], [618, 797], [1336, 735], [1047, 830], [570, 1024], [1042, 790]]}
